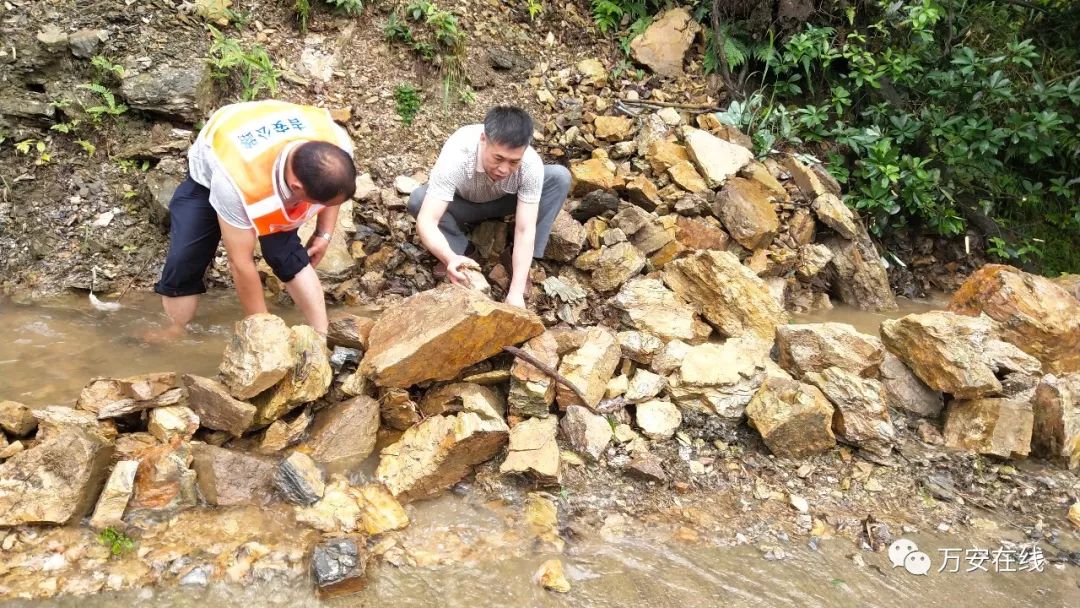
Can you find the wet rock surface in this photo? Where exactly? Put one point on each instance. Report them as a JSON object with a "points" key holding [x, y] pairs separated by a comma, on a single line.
{"points": [[533, 450], [794, 419], [1056, 431], [904, 391], [586, 433], [257, 357], [307, 379], [818, 346], [344, 434], [860, 416], [438, 453], [215, 407], [55, 481], [339, 567], [995, 426], [730, 297], [111, 505], [299, 479], [226, 477]]}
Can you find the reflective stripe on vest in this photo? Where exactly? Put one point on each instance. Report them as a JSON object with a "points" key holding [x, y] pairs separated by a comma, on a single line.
{"points": [[246, 138]]}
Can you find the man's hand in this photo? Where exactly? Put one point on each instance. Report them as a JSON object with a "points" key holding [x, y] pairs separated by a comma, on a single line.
{"points": [[454, 268], [515, 299], [316, 248]]}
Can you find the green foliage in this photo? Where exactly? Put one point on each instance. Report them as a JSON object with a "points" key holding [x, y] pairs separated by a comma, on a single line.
{"points": [[106, 69], [87, 147], [607, 14], [66, 127], [535, 8], [109, 106], [1026, 252], [435, 36], [302, 9], [252, 70], [408, 102], [929, 111], [397, 30], [638, 26], [349, 7], [27, 145], [128, 165], [936, 109], [118, 542]]}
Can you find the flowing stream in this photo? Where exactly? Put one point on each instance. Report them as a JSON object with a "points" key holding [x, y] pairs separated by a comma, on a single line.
{"points": [[51, 350]]}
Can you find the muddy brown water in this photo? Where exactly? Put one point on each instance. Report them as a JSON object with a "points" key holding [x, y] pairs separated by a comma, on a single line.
{"points": [[53, 349]]}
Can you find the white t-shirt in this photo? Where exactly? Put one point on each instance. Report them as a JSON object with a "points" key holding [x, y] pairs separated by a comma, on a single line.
{"points": [[225, 198], [459, 170]]}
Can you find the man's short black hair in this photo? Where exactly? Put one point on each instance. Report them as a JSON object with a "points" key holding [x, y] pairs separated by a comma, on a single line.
{"points": [[508, 126], [325, 170]]}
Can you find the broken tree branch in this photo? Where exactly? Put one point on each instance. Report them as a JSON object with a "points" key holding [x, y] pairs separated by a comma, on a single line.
{"points": [[547, 369]]}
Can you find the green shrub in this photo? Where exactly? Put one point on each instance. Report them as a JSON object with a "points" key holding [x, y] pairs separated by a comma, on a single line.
{"points": [[435, 36], [252, 70], [407, 100], [349, 7], [108, 107], [930, 111], [302, 8]]}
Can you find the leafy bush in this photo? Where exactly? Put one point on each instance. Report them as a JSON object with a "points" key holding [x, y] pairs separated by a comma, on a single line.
{"points": [[939, 118], [349, 7], [252, 70], [535, 8], [407, 100], [933, 112], [437, 38], [108, 107], [302, 8]]}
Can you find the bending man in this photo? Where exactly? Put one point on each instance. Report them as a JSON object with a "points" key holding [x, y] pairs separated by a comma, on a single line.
{"points": [[489, 171], [256, 172]]}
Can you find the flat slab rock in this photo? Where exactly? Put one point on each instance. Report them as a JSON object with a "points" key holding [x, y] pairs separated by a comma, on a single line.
{"points": [[1035, 314], [229, 477], [956, 354], [436, 334]]}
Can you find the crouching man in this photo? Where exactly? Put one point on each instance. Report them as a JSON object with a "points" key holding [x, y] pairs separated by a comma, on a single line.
{"points": [[256, 173], [490, 171]]}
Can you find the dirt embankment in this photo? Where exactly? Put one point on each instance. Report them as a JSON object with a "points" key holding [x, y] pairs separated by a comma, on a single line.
{"points": [[78, 192]]}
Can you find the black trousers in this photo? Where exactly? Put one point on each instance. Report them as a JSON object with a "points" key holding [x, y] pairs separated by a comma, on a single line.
{"points": [[194, 235]]}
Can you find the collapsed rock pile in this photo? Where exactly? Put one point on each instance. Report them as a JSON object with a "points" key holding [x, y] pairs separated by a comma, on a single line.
{"points": [[152, 446]]}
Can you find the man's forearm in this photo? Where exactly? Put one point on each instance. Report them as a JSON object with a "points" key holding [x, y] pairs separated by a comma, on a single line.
{"points": [[434, 241], [521, 259], [327, 220], [248, 288]]}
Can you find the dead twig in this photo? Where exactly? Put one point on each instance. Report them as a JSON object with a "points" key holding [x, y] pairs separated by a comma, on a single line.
{"points": [[547, 369], [693, 107], [135, 277]]}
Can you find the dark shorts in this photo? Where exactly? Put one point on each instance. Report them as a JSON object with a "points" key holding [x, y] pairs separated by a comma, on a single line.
{"points": [[193, 240]]}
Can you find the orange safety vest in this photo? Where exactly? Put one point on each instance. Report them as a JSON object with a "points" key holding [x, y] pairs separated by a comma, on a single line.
{"points": [[246, 138]]}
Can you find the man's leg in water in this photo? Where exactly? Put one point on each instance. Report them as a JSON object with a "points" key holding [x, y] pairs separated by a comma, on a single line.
{"points": [[193, 240]]}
